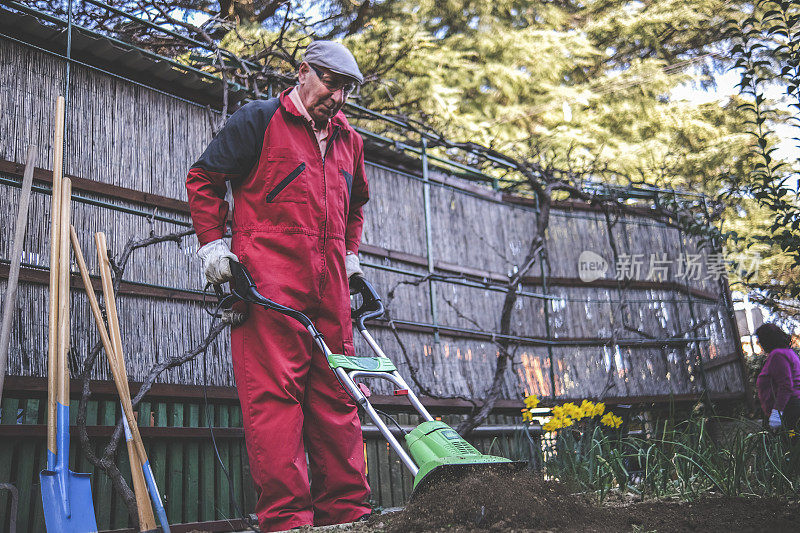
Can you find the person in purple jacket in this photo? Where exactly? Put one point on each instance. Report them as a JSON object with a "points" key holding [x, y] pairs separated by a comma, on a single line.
{"points": [[779, 381]]}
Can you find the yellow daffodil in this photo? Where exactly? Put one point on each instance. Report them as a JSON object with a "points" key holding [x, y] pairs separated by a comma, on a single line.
{"points": [[599, 409], [571, 410], [611, 420], [567, 414], [551, 425], [526, 416], [586, 409], [557, 423], [531, 402]]}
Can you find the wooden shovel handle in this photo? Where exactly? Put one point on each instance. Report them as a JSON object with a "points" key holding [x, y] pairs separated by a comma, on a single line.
{"points": [[113, 346], [52, 326], [63, 294], [113, 361], [95, 306]]}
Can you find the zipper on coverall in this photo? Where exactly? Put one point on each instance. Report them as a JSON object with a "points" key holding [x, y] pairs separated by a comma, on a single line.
{"points": [[325, 188]]}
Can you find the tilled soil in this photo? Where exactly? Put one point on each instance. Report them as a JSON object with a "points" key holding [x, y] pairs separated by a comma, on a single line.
{"points": [[521, 502]]}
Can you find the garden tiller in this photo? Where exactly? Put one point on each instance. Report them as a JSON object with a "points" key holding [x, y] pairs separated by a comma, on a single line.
{"points": [[435, 450]]}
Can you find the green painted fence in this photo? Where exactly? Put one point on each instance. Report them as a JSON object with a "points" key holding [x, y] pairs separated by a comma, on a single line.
{"points": [[191, 481]]}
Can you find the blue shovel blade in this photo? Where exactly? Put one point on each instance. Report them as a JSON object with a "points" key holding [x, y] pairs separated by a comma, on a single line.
{"points": [[81, 518]]}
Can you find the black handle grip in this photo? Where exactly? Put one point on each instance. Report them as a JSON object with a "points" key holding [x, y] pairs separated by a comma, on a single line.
{"points": [[371, 306], [244, 287]]}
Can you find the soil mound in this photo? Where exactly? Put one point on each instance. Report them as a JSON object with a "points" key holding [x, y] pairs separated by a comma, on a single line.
{"points": [[500, 502]]}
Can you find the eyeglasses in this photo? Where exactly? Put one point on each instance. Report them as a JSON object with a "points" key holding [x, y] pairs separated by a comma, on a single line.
{"points": [[333, 85]]}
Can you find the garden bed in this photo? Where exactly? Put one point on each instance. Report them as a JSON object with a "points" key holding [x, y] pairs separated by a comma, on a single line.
{"points": [[525, 503]]}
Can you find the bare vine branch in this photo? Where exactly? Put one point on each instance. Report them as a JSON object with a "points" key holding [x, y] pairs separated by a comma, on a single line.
{"points": [[412, 369], [106, 461]]}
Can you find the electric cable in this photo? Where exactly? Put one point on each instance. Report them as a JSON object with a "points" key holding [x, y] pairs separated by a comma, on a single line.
{"points": [[395, 422], [216, 315]]}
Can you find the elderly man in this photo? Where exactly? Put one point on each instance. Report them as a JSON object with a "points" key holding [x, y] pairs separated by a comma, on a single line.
{"points": [[296, 169]]}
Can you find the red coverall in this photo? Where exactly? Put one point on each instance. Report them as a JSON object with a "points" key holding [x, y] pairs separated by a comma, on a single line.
{"points": [[296, 212]]}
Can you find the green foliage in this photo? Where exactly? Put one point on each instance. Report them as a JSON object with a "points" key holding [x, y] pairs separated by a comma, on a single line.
{"points": [[766, 49], [586, 84], [679, 460]]}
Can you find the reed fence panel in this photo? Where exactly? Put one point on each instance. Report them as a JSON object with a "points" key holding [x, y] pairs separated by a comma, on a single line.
{"points": [[124, 135]]}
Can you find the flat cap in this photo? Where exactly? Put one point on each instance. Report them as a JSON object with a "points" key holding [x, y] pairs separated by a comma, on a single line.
{"points": [[335, 57]]}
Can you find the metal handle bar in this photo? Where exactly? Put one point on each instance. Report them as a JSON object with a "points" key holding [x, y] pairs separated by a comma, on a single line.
{"points": [[371, 306], [244, 288]]}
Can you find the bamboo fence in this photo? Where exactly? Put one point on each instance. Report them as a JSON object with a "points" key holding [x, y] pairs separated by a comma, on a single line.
{"points": [[123, 139]]}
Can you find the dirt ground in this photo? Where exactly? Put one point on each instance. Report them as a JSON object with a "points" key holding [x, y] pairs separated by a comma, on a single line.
{"points": [[520, 502]]}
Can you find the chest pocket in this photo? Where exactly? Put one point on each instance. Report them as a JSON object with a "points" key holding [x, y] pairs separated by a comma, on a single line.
{"points": [[348, 178], [339, 186], [287, 181]]}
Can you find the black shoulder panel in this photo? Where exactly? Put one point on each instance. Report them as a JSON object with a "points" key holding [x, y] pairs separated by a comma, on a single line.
{"points": [[237, 147]]}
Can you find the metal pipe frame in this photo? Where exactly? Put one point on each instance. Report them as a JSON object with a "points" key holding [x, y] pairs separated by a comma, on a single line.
{"points": [[426, 201], [515, 205], [126, 287], [679, 341], [495, 288], [483, 197], [100, 203], [348, 381], [464, 282]]}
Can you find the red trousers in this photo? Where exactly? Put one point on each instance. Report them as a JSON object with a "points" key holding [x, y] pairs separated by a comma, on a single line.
{"points": [[291, 403]]}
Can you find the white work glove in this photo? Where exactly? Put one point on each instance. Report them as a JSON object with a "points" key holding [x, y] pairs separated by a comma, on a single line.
{"points": [[215, 256], [775, 419], [352, 265]]}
